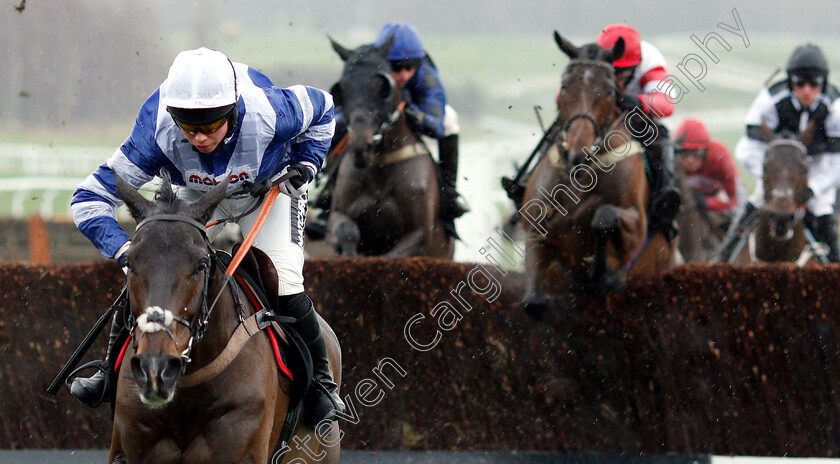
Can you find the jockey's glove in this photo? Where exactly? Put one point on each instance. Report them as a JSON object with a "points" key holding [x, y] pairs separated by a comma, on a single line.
{"points": [[260, 188], [295, 186], [413, 116], [629, 102]]}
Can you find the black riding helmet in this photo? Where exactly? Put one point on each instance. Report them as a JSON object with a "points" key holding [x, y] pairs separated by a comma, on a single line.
{"points": [[808, 62]]}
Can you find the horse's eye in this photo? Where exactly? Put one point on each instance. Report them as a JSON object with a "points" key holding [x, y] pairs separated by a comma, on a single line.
{"points": [[202, 266]]}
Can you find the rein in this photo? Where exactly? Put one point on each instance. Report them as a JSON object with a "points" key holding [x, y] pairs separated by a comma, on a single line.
{"points": [[201, 318], [388, 123], [394, 116]]}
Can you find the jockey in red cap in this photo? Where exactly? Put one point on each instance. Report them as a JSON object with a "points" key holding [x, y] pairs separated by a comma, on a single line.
{"points": [[709, 168]]}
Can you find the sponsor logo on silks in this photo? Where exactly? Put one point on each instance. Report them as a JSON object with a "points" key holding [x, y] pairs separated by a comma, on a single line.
{"points": [[203, 181]]}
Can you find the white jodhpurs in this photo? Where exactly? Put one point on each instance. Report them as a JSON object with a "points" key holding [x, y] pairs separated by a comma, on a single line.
{"points": [[281, 236]]}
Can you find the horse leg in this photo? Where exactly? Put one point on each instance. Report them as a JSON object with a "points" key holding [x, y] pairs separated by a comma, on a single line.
{"points": [[537, 303], [116, 456], [612, 226], [343, 234]]}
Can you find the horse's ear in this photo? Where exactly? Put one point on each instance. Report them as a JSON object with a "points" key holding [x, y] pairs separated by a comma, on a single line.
{"points": [[137, 205], [386, 46], [203, 208], [570, 50], [617, 50], [342, 52]]}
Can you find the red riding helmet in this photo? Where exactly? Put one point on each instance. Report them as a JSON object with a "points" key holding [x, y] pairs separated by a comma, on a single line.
{"points": [[692, 134], [632, 44]]}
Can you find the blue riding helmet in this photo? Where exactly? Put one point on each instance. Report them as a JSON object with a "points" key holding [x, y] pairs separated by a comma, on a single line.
{"points": [[407, 44]]}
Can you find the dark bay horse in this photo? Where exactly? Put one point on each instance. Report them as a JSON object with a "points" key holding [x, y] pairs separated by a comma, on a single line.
{"points": [[779, 234], [585, 204], [386, 199], [168, 408]]}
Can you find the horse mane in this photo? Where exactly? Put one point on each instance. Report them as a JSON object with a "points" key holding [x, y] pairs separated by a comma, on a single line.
{"points": [[166, 201], [593, 52]]}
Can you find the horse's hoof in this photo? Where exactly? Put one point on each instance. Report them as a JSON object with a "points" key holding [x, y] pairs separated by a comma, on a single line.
{"points": [[606, 219]]}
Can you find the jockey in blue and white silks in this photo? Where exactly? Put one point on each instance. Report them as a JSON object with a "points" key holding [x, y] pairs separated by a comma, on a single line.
{"points": [[275, 128], [213, 119]]}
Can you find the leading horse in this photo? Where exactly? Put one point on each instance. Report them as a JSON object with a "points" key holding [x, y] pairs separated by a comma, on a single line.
{"points": [[386, 199], [585, 204], [168, 409]]}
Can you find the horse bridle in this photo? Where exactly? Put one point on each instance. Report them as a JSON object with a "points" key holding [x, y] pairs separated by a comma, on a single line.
{"points": [[198, 324], [394, 116], [799, 215], [600, 129]]}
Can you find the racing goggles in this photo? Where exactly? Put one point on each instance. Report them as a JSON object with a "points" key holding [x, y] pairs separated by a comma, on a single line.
{"points": [[405, 65], [206, 129], [815, 81]]}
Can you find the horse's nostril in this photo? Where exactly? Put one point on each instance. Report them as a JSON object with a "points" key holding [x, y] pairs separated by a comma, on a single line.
{"points": [[171, 369], [140, 376]]}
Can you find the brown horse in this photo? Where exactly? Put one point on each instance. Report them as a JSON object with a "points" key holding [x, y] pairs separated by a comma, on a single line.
{"points": [[779, 234], [701, 230], [168, 409], [585, 204], [386, 199]]}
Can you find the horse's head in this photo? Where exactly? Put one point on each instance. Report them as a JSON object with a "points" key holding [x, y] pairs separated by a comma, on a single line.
{"points": [[587, 97], [368, 96], [785, 185], [170, 265]]}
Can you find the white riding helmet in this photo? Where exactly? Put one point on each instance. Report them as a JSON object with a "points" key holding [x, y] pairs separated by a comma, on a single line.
{"points": [[200, 87]]}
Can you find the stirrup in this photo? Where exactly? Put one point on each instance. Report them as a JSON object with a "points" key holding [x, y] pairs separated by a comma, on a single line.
{"points": [[100, 366]]}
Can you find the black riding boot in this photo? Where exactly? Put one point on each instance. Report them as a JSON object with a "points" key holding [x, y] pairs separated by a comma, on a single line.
{"points": [[739, 226], [826, 232], [665, 197], [94, 390], [321, 400], [453, 205]]}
